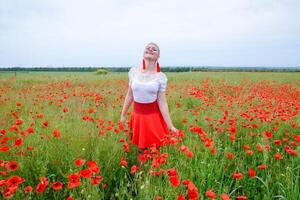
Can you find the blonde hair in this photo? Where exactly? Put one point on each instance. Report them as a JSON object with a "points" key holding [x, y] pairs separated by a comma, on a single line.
{"points": [[156, 46]]}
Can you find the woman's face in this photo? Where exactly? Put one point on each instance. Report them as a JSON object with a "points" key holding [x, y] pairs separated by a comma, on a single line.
{"points": [[151, 52]]}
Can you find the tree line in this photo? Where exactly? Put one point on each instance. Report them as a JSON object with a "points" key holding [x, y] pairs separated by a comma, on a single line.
{"points": [[164, 69]]}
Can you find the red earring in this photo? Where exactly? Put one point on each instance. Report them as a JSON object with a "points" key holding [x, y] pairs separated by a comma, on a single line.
{"points": [[157, 67], [144, 64]]}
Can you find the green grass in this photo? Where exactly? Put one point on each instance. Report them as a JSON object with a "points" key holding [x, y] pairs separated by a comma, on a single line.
{"points": [[49, 92]]}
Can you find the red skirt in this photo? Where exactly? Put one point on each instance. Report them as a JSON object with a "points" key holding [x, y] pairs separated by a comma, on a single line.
{"points": [[147, 126]]}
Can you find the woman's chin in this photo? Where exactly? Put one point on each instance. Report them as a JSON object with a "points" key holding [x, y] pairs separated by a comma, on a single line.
{"points": [[149, 57]]}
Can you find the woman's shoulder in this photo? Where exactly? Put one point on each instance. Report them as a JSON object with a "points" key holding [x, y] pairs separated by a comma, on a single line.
{"points": [[162, 76], [133, 69]]}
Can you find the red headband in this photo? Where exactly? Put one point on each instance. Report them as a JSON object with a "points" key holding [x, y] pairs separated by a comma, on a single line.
{"points": [[157, 65]]}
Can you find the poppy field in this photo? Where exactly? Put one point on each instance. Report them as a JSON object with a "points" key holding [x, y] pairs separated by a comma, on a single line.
{"points": [[61, 138]]}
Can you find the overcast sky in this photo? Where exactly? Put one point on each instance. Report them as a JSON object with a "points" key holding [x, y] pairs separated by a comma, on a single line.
{"points": [[114, 32]]}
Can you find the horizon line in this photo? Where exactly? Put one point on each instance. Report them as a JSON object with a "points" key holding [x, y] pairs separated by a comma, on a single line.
{"points": [[172, 66]]}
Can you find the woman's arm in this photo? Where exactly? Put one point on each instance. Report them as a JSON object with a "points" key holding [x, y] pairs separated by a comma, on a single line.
{"points": [[163, 107], [127, 103]]}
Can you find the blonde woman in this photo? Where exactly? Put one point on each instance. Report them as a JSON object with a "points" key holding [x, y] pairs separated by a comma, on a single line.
{"points": [[150, 120]]}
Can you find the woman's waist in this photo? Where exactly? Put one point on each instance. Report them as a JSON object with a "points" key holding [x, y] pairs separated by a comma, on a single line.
{"points": [[146, 108]]}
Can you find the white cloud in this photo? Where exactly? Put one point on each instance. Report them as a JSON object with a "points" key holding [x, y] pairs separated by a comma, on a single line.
{"points": [[113, 33]]}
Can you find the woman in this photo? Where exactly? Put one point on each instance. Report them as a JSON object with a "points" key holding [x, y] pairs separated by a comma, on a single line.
{"points": [[150, 120]]}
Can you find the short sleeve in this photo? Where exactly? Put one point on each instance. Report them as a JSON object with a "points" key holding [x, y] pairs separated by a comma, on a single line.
{"points": [[130, 76], [163, 83]]}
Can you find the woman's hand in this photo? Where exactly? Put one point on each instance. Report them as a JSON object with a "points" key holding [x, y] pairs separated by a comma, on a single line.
{"points": [[173, 130], [123, 120], [127, 127]]}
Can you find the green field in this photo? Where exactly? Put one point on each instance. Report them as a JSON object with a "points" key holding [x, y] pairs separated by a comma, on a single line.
{"points": [[253, 116]]}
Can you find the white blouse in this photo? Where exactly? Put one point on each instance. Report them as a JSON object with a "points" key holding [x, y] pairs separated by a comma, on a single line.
{"points": [[145, 86]]}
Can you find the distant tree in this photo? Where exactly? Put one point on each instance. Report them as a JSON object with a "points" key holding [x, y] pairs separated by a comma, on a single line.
{"points": [[101, 72]]}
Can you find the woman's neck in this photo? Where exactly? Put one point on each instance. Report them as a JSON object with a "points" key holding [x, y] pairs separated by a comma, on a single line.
{"points": [[150, 66]]}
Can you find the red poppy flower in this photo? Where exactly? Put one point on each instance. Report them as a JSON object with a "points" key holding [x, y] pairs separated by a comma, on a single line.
{"points": [[30, 130], [185, 182], [230, 155], [57, 185], [268, 134], [93, 166], [12, 166], [182, 148], [121, 140], [251, 172], [40, 187], [3, 131], [79, 162], [19, 122], [74, 180], [4, 148], [174, 181], [210, 194], [9, 192], [56, 133], [91, 110], [277, 142], [133, 169], [18, 142], [96, 180], [259, 147], [241, 197], [262, 167], [237, 175], [44, 180], [4, 140], [126, 147], [29, 148], [123, 162], [172, 172], [289, 150], [181, 197], [14, 128], [86, 173], [28, 189], [192, 191], [278, 156], [224, 196], [249, 152], [297, 138], [189, 154], [14, 181]]}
